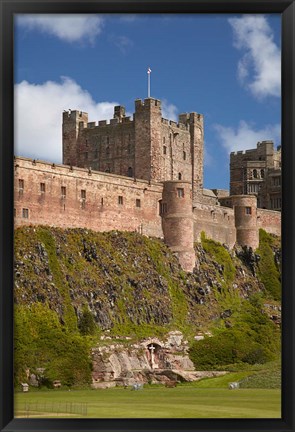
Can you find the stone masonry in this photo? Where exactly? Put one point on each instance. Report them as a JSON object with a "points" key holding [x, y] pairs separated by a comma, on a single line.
{"points": [[258, 172]]}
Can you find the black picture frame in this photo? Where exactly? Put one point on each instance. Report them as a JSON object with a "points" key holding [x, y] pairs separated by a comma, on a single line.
{"points": [[7, 10]]}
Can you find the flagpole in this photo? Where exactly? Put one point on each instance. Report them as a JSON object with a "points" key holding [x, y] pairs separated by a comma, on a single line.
{"points": [[149, 81]]}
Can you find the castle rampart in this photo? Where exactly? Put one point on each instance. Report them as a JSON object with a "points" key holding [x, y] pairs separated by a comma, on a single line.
{"points": [[64, 196], [58, 195], [269, 220], [218, 223]]}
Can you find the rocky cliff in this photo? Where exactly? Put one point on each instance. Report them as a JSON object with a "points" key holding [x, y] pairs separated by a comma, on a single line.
{"points": [[127, 286], [127, 280]]}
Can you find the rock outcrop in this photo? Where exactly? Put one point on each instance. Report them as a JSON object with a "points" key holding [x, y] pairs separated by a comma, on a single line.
{"points": [[151, 361]]}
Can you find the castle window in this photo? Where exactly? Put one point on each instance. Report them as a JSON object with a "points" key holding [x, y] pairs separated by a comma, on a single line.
{"points": [[255, 174], [179, 176], [21, 186], [86, 155], [248, 210], [262, 173], [130, 172], [42, 187], [162, 207], [83, 194], [25, 213], [101, 202], [63, 192], [163, 140], [120, 200], [180, 192], [107, 152], [138, 203], [164, 150], [184, 155], [253, 188]]}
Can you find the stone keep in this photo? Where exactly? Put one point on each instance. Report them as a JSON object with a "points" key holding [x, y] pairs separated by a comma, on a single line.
{"points": [[147, 147]]}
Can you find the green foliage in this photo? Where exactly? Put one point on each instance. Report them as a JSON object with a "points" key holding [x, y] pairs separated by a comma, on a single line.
{"points": [[49, 242], [87, 324], [252, 339], [41, 341], [221, 256], [268, 272]]}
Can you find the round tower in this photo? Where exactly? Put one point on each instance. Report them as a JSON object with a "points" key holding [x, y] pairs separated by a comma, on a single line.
{"points": [[245, 210], [177, 221]]}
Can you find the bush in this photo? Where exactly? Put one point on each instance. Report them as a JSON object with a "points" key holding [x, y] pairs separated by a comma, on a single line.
{"points": [[252, 339], [268, 272], [41, 341]]}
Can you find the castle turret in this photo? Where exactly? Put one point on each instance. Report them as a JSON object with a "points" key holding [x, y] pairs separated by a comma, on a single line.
{"points": [[70, 133], [177, 221], [196, 128], [245, 210], [148, 119]]}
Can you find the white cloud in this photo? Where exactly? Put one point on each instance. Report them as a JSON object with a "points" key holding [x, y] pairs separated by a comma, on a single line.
{"points": [[245, 136], [259, 69], [123, 43], [70, 28], [38, 116], [169, 111]]}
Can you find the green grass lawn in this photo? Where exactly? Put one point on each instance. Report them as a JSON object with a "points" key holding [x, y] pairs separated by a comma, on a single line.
{"points": [[156, 402]]}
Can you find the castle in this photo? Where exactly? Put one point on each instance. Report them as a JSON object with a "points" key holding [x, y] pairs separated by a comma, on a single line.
{"points": [[146, 174]]}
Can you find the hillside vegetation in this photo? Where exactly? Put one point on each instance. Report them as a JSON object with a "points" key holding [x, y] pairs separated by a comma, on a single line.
{"points": [[73, 285]]}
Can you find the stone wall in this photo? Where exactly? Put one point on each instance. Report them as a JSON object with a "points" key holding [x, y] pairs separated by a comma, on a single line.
{"points": [[57, 195], [217, 222], [269, 220]]}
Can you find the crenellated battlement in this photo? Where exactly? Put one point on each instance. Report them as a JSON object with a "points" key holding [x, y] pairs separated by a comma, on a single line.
{"points": [[147, 103]]}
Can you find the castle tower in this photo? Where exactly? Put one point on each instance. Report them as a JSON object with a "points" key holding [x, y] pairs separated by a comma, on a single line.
{"points": [[70, 133], [245, 210], [147, 124], [196, 128], [177, 221]]}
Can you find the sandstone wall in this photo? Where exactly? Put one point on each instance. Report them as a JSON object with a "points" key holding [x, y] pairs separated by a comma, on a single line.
{"points": [[269, 220], [217, 222], [98, 201]]}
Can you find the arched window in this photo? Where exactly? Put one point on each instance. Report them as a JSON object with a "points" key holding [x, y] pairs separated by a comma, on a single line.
{"points": [[255, 173], [130, 172], [179, 176], [262, 173]]}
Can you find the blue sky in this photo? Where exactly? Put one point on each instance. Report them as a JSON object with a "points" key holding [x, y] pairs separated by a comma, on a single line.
{"points": [[226, 67]]}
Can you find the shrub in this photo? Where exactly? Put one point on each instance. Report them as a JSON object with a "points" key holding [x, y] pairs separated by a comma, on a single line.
{"points": [[268, 272], [41, 341], [252, 339]]}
